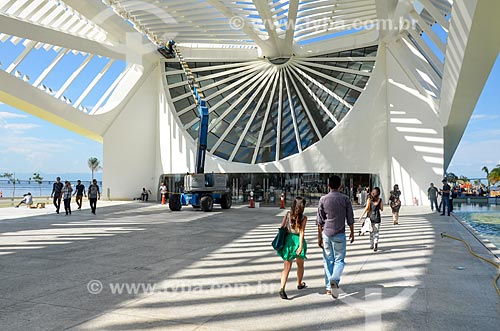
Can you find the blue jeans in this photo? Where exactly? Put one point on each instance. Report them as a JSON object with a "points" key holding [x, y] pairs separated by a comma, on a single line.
{"points": [[334, 250], [446, 204], [434, 202]]}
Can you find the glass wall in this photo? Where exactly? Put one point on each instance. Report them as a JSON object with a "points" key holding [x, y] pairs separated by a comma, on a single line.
{"points": [[268, 187]]}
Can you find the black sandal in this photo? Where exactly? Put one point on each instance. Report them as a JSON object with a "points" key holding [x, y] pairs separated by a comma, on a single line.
{"points": [[283, 294], [302, 286]]}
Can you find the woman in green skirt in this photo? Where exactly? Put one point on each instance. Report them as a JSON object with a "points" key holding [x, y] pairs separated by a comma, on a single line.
{"points": [[295, 246]]}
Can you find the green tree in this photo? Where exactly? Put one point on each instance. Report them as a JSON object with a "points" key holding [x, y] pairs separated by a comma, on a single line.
{"points": [[39, 179], [463, 180], [485, 169], [494, 175], [451, 177], [12, 178], [94, 165]]}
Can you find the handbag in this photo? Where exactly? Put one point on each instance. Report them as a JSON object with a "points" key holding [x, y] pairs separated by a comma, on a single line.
{"points": [[367, 226], [279, 240]]}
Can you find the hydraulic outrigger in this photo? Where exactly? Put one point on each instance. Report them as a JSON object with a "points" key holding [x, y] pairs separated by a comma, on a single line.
{"points": [[201, 190]]}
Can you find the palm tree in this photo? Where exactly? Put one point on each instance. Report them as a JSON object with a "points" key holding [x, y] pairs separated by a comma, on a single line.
{"points": [[485, 169], [494, 175], [39, 179], [94, 165], [463, 180], [11, 178], [451, 177]]}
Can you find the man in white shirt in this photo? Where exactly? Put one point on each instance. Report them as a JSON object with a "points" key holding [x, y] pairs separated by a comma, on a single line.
{"points": [[163, 192], [28, 200]]}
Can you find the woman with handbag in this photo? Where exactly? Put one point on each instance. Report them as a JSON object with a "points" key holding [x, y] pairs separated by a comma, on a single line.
{"points": [[373, 208], [294, 247]]}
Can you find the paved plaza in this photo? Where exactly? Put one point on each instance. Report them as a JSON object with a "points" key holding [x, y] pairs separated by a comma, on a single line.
{"points": [[217, 271]]}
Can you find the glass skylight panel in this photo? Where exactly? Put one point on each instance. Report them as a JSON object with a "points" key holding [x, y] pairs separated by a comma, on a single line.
{"points": [[289, 119]]}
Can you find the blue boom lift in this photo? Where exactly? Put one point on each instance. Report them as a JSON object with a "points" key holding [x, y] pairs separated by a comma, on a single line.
{"points": [[201, 190]]}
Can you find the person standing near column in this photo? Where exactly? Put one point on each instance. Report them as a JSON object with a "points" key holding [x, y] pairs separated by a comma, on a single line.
{"points": [[79, 192], [445, 193], [334, 210], [94, 194], [66, 194], [56, 193], [432, 193]]}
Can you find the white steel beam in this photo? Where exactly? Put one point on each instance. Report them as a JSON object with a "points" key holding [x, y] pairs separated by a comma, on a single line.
{"points": [[47, 70], [427, 30], [266, 118], [280, 112], [292, 20], [73, 76], [261, 81], [109, 91], [94, 82], [315, 127], [339, 81], [436, 14], [292, 112], [21, 57], [254, 113]]}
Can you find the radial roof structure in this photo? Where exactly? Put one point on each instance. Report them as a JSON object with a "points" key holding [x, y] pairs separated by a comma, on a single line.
{"points": [[278, 75]]}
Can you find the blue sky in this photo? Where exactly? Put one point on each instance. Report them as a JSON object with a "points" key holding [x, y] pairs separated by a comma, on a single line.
{"points": [[29, 144], [481, 140]]}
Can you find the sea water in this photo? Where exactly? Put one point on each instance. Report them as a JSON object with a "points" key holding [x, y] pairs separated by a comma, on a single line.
{"points": [[24, 186], [484, 218]]}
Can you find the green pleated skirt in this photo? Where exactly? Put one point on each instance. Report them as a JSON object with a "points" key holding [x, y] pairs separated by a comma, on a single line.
{"points": [[289, 251]]}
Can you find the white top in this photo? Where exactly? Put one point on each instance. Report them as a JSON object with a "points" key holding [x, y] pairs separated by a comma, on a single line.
{"points": [[28, 199], [163, 189]]}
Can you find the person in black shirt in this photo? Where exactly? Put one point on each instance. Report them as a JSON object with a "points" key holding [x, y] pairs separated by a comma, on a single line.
{"points": [[56, 193], [446, 197], [79, 192]]}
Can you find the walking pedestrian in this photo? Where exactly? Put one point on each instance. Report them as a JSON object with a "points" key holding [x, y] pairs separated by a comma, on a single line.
{"points": [[56, 193], [395, 191], [334, 210], [373, 208], [94, 194], [66, 194], [295, 247], [432, 194], [79, 192], [395, 203], [445, 194]]}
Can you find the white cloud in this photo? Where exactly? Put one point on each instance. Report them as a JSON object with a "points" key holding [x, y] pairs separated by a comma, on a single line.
{"points": [[470, 157], [484, 134], [19, 126], [33, 150], [484, 117], [7, 115]]}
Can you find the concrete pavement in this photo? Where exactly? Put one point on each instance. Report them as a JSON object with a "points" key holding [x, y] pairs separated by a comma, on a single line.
{"points": [[217, 271]]}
